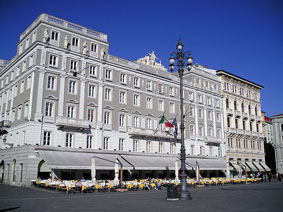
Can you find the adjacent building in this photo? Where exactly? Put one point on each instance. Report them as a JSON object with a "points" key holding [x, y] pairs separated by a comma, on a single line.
{"points": [[277, 122], [243, 124], [65, 100]]}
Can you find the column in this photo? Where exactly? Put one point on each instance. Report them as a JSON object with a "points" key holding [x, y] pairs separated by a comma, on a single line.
{"points": [[39, 100], [82, 99], [30, 96], [205, 121]]}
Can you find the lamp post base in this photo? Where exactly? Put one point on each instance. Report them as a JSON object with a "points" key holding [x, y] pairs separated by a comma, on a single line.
{"points": [[185, 195]]}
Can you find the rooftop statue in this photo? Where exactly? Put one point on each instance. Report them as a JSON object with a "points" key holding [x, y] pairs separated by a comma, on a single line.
{"points": [[150, 60]]}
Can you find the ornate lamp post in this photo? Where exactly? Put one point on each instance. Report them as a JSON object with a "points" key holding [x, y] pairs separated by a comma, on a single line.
{"points": [[180, 56]]}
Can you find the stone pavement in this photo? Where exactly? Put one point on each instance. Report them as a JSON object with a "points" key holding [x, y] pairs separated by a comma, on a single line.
{"points": [[252, 197]]}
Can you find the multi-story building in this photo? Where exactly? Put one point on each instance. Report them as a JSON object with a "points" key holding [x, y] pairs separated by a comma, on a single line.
{"points": [[277, 122], [64, 100], [269, 142], [243, 124]]}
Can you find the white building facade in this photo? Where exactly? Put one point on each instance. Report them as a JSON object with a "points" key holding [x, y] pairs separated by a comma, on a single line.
{"points": [[63, 92], [277, 122]]}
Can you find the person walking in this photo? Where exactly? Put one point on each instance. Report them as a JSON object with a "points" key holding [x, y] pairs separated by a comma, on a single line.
{"points": [[279, 177], [269, 177]]}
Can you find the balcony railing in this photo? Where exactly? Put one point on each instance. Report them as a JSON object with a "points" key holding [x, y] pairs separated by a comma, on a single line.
{"points": [[72, 123], [5, 123]]}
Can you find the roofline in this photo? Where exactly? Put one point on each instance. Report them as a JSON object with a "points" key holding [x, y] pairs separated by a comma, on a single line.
{"points": [[278, 115], [222, 72]]}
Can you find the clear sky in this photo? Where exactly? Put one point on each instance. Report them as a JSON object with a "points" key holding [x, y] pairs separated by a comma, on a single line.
{"points": [[244, 37]]}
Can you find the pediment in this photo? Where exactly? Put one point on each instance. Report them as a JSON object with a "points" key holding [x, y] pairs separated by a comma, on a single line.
{"points": [[123, 110], [108, 107], [137, 112], [73, 101], [51, 97]]}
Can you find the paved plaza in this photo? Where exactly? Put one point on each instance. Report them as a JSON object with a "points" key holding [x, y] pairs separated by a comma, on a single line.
{"points": [[251, 197]]}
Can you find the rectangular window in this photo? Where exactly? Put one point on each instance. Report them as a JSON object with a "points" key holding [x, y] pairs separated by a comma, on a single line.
{"points": [[209, 115], [200, 131], [202, 152], [49, 109], [19, 112], [172, 148], [172, 107], [123, 97], [136, 82], [34, 36], [69, 140], [122, 119], [136, 101], [74, 65], [228, 121], [22, 86], [91, 115], [27, 43], [54, 35], [160, 88], [92, 91], [135, 145], [75, 42], [24, 66], [148, 123], [108, 94], [218, 117], [148, 102], [191, 111], [108, 74], [192, 130], [230, 142], [53, 60], [107, 117], [200, 113], [136, 121], [106, 143], [46, 138], [192, 149], [51, 83], [28, 82], [171, 91], [72, 87], [31, 61], [123, 78], [26, 110], [160, 147], [160, 104], [199, 98], [149, 85], [71, 111], [210, 132], [89, 142], [148, 146], [93, 47], [121, 144], [191, 96], [92, 71]]}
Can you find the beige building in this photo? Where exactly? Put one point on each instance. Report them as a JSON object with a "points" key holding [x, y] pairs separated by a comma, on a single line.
{"points": [[243, 125]]}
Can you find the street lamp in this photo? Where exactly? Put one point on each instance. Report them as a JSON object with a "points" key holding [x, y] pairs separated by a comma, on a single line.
{"points": [[180, 56]]}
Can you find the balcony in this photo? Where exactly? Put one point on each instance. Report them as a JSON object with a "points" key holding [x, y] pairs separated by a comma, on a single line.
{"points": [[212, 141], [147, 134], [5, 124], [63, 122], [238, 114], [252, 117], [229, 112], [245, 116]]}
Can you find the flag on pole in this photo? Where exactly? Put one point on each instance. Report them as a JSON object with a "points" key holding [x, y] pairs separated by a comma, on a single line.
{"points": [[168, 124], [162, 120]]}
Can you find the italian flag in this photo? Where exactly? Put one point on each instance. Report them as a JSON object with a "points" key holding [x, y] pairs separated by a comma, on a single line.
{"points": [[167, 123]]}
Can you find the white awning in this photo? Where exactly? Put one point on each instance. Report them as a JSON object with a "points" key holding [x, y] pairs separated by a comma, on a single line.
{"points": [[244, 166], [251, 166], [258, 166], [70, 159], [76, 160], [236, 166], [265, 166]]}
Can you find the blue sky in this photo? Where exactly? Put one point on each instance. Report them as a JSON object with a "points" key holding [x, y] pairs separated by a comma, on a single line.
{"points": [[244, 37]]}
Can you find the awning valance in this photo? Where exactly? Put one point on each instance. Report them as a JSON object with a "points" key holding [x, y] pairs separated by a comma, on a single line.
{"points": [[251, 166], [265, 166], [258, 166], [64, 159], [236, 166]]}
